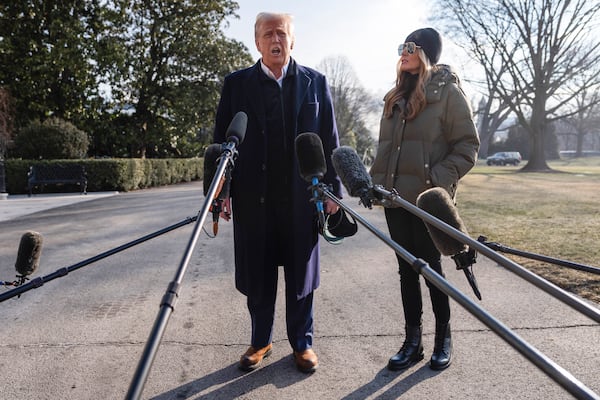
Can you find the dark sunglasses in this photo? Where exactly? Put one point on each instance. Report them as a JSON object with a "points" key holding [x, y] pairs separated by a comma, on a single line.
{"points": [[409, 46]]}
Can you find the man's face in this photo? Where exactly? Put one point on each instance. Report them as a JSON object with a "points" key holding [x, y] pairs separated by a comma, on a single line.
{"points": [[275, 44]]}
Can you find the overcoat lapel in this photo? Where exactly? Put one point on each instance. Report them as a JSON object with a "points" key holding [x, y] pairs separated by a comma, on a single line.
{"points": [[302, 85], [253, 97]]}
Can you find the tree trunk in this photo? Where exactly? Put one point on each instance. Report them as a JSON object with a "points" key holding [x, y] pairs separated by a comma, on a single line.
{"points": [[580, 136], [537, 160], [485, 136], [537, 130], [537, 155], [537, 127]]}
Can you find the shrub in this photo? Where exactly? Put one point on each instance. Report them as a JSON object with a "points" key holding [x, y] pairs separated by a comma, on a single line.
{"points": [[122, 174], [52, 139]]}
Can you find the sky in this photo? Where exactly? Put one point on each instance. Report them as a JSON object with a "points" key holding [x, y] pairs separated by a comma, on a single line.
{"points": [[367, 33]]}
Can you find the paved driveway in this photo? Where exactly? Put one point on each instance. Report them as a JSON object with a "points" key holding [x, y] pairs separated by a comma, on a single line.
{"points": [[81, 336]]}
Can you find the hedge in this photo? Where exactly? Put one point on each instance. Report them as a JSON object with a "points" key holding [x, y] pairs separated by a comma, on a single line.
{"points": [[121, 174]]}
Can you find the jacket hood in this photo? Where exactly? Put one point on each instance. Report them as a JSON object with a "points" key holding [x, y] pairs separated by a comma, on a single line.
{"points": [[445, 73]]}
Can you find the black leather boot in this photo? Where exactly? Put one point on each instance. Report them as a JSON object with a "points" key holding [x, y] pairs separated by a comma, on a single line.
{"points": [[442, 350], [410, 352]]}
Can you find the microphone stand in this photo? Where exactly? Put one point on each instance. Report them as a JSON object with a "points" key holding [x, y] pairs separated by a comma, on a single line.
{"points": [[167, 305], [563, 263], [553, 370], [39, 281]]}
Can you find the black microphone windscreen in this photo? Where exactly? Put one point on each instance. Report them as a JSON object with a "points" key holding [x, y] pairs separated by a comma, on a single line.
{"points": [[311, 158], [437, 202], [237, 128], [211, 156], [28, 256], [351, 170]]}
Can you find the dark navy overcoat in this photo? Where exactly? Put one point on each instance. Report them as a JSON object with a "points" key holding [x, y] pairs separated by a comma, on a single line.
{"points": [[314, 113]]}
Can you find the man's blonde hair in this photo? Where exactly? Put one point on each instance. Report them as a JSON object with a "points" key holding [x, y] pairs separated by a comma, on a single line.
{"points": [[269, 16]]}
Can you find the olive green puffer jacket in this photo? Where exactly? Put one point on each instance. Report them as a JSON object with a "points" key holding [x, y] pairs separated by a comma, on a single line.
{"points": [[435, 149]]}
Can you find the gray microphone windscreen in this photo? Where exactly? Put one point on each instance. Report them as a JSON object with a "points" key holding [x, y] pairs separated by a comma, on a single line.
{"points": [[28, 256], [437, 202], [351, 170]]}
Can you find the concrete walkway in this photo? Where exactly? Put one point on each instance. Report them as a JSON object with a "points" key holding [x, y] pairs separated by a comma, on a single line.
{"points": [[13, 206], [81, 336]]}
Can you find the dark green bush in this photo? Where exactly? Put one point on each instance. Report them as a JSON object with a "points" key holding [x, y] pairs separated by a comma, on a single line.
{"points": [[52, 139], [121, 174]]}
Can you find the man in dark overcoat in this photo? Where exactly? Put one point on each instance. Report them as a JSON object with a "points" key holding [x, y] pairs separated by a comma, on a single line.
{"points": [[274, 221]]}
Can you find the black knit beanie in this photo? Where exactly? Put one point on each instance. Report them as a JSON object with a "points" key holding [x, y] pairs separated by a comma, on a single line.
{"points": [[429, 40]]}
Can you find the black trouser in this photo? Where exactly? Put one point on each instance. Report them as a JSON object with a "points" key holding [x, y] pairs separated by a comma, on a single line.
{"points": [[299, 311], [409, 231]]}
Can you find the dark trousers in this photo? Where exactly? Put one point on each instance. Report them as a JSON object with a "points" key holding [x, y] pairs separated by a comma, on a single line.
{"points": [[298, 315], [298, 312], [409, 231]]}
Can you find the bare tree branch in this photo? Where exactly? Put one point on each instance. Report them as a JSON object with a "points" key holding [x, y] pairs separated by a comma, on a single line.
{"points": [[539, 56], [352, 104]]}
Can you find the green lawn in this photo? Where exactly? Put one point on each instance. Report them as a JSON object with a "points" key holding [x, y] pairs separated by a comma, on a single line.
{"points": [[554, 214]]}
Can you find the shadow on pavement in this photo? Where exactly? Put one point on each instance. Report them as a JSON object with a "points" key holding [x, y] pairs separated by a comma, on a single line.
{"points": [[385, 377], [230, 382]]}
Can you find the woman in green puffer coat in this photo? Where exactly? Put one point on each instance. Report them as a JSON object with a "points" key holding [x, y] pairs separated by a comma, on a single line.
{"points": [[427, 139]]}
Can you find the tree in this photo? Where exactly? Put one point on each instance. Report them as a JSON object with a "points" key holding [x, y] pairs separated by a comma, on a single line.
{"points": [[6, 121], [142, 77], [46, 58], [52, 139], [352, 105], [491, 112], [585, 119], [532, 49], [175, 58]]}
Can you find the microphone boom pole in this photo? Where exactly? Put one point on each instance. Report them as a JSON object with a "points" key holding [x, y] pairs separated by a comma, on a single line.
{"points": [[539, 257], [169, 299], [553, 370], [529, 276], [39, 281]]}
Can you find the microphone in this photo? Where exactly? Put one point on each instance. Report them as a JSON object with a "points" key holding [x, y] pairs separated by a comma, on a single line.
{"points": [[352, 172], [28, 256], [236, 131], [311, 161], [437, 202]]}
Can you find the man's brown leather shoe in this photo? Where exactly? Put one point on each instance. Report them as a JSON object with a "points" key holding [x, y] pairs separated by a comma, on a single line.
{"points": [[252, 358], [306, 361]]}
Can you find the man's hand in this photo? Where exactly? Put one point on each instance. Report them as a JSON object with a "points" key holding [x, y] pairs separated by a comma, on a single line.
{"points": [[226, 209], [330, 207]]}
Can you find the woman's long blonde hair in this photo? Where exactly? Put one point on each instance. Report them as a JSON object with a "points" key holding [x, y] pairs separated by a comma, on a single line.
{"points": [[416, 101]]}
